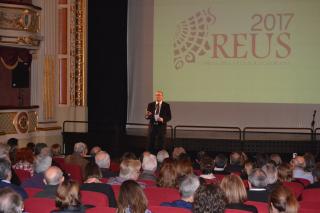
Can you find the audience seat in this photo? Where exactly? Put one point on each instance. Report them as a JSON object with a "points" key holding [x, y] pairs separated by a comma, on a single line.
{"points": [[235, 211], [32, 191], [116, 190], [304, 181], [309, 205], [157, 195], [59, 161], [115, 167], [166, 209], [74, 171], [296, 188], [39, 205], [94, 198], [22, 174], [261, 206], [104, 180], [311, 195], [101, 209], [149, 183]]}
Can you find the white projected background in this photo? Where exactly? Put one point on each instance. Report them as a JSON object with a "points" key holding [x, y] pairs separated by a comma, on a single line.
{"points": [[232, 63]]}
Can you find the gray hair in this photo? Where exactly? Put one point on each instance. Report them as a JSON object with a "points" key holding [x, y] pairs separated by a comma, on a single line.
{"points": [[10, 201], [53, 175], [129, 169], [5, 169], [42, 163], [80, 148], [258, 178], [149, 162], [102, 159], [271, 172], [162, 154], [4, 150], [188, 186]]}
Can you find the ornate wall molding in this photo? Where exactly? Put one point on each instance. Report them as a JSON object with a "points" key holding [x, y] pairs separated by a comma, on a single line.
{"points": [[20, 26]]}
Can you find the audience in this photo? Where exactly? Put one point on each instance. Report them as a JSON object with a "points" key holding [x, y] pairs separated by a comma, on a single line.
{"points": [[129, 170], [95, 150], [10, 201], [31, 146], [177, 151], [236, 193], [272, 176], [4, 154], [285, 173], [209, 199], [24, 160], [187, 189], [310, 161], [5, 178], [220, 163], [78, 157], [206, 164], [13, 145], [236, 164], [316, 178], [249, 166], [276, 159], [167, 177], [161, 155], [257, 186], [36, 181], [52, 179], [299, 169], [283, 200], [41, 150], [132, 198], [92, 183], [102, 159], [183, 166], [56, 150], [149, 166]]}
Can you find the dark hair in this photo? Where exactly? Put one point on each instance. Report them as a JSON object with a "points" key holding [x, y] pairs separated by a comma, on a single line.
{"points": [[128, 156], [316, 172], [68, 195], [12, 142], [206, 164], [168, 174], [220, 161], [310, 161], [261, 159], [209, 198], [5, 168], [39, 147], [132, 196], [283, 200], [31, 146], [92, 170]]}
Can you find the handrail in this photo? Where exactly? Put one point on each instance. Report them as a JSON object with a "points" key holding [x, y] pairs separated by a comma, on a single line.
{"points": [[146, 125]]}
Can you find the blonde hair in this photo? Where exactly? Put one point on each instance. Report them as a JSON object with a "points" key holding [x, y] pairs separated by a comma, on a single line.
{"points": [[283, 200], [234, 189], [128, 168]]}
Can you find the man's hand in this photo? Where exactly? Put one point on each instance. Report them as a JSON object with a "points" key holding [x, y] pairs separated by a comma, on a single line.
{"points": [[160, 119]]}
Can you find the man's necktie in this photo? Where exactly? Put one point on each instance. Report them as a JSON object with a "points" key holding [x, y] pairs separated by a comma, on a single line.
{"points": [[157, 108]]}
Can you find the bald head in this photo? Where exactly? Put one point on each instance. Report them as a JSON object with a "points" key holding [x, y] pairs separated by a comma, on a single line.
{"points": [[102, 160], [299, 162], [95, 150], [53, 176]]}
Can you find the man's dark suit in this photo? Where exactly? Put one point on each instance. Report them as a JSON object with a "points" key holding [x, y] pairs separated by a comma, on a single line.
{"points": [[158, 129]]}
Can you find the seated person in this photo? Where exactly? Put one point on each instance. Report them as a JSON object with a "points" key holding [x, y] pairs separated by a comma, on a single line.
{"points": [[285, 174], [95, 151], [283, 200], [161, 155], [149, 166], [299, 169], [10, 201], [36, 181], [132, 198], [56, 150], [187, 189], [257, 186], [236, 164], [316, 178], [78, 157], [5, 177], [272, 176], [103, 161], [220, 163], [92, 183], [24, 160], [52, 178], [167, 177], [236, 193]]}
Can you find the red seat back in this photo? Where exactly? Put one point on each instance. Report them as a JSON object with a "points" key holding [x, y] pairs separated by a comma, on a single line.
{"points": [[39, 205], [157, 195], [311, 195], [60, 162], [166, 209], [309, 205], [32, 191], [116, 190], [294, 187], [74, 171], [101, 210], [22, 174], [235, 211], [94, 198], [304, 181], [104, 180], [261, 206], [115, 167]]}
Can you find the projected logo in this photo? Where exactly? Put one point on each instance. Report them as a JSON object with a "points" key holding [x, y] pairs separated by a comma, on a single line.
{"points": [[191, 38]]}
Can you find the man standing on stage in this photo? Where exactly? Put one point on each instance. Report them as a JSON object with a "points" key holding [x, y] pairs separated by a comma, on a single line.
{"points": [[159, 113]]}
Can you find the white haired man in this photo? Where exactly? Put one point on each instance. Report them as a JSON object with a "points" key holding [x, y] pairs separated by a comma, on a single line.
{"points": [[102, 159], [78, 157], [149, 166]]}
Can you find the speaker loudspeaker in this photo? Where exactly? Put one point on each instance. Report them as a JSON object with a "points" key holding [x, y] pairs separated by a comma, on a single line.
{"points": [[20, 76]]}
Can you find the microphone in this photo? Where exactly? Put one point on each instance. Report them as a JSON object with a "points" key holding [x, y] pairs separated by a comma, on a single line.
{"points": [[313, 116]]}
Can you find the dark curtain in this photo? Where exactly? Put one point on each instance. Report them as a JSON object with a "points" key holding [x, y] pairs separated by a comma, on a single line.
{"points": [[107, 71]]}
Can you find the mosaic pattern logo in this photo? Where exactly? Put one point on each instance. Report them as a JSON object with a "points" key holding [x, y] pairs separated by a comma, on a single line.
{"points": [[191, 38]]}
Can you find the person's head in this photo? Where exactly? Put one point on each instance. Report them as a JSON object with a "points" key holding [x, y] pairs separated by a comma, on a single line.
{"points": [[282, 200], [209, 199], [24, 155], [206, 164], [184, 167], [168, 174], [271, 172], [56, 149], [53, 176], [234, 189], [235, 158], [4, 151], [261, 159], [161, 155], [128, 156], [177, 151], [131, 196], [188, 186], [299, 162], [41, 149], [80, 148], [5, 169], [220, 161], [149, 162], [13, 143], [285, 172], [257, 179], [102, 160], [68, 195], [310, 161], [276, 158], [249, 166], [130, 169], [159, 96], [10, 201], [95, 150], [316, 172], [42, 164], [31, 146], [92, 171]]}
